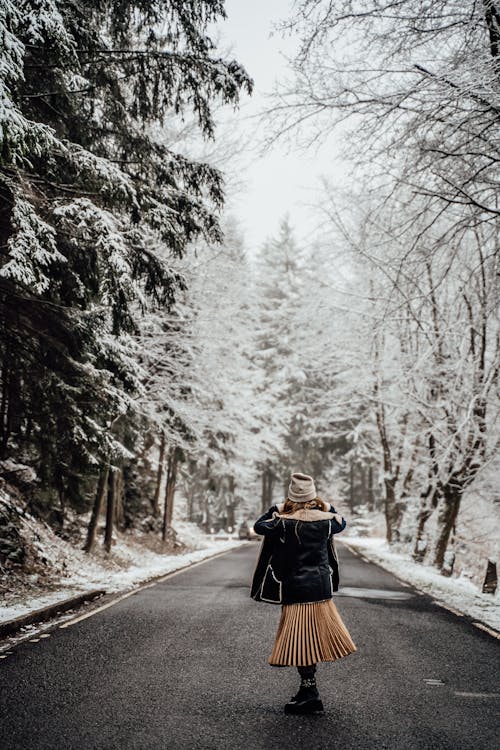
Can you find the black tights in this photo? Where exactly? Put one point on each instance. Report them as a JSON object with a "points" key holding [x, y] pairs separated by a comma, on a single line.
{"points": [[307, 673]]}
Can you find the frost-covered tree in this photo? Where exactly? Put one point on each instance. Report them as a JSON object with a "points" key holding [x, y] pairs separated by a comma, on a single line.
{"points": [[278, 287], [421, 85], [200, 388], [434, 361], [89, 191]]}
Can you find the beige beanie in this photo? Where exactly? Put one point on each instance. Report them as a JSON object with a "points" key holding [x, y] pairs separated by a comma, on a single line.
{"points": [[301, 488]]}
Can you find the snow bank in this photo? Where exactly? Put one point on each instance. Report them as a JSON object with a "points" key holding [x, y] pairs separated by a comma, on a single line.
{"points": [[129, 564], [458, 593]]}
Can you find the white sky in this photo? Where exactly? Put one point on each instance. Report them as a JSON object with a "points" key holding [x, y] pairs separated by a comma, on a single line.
{"points": [[281, 181]]}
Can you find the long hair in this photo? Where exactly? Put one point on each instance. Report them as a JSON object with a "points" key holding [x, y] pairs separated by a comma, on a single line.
{"points": [[291, 506]]}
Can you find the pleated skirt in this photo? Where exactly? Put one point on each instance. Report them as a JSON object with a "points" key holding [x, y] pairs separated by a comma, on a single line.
{"points": [[310, 633]]}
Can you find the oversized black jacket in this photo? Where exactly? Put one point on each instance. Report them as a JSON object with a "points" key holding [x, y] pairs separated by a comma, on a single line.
{"points": [[297, 561]]}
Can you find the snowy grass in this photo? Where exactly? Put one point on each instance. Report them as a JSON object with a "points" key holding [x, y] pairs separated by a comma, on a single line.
{"points": [[458, 593], [129, 564]]}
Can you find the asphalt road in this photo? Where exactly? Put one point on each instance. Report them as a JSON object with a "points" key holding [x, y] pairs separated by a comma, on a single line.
{"points": [[183, 664]]}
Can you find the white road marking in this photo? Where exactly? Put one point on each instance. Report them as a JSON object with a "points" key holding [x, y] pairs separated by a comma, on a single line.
{"points": [[95, 611], [141, 588], [456, 612], [434, 682], [477, 695], [23, 638], [450, 609], [486, 629], [373, 593]]}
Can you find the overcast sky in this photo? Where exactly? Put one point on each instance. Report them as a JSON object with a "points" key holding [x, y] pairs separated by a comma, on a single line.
{"points": [[281, 181]]}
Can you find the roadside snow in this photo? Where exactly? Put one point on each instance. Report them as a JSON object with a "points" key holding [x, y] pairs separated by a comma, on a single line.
{"points": [[458, 593], [136, 564]]}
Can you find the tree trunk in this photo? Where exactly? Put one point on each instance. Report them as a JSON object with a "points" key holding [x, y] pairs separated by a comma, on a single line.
{"points": [[492, 18], [62, 503], [407, 481], [424, 514], [168, 510], [263, 495], [392, 510], [351, 485], [363, 493], [427, 507], [10, 409], [119, 510], [172, 483], [164, 530], [230, 517], [231, 505], [370, 495], [265, 491], [4, 428], [447, 516], [159, 475], [190, 505], [96, 509], [268, 479], [208, 519], [110, 511]]}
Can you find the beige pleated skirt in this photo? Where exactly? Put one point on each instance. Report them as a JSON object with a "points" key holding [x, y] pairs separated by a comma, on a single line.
{"points": [[310, 633]]}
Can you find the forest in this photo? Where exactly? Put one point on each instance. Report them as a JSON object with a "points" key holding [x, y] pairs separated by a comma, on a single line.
{"points": [[152, 362]]}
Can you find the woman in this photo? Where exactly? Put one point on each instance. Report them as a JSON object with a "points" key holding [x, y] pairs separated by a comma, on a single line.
{"points": [[298, 568]]}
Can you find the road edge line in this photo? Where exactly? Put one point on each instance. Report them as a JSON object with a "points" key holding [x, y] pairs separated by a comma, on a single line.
{"points": [[42, 614], [52, 626], [146, 585], [483, 626], [356, 552]]}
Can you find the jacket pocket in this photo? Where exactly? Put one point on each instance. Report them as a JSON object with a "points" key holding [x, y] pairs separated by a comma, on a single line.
{"points": [[271, 587]]}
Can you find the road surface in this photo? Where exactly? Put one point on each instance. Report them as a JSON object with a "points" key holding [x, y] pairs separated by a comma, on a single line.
{"points": [[183, 664]]}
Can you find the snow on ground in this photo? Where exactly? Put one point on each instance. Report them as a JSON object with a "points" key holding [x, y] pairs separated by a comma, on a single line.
{"points": [[458, 593], [130, 564]]}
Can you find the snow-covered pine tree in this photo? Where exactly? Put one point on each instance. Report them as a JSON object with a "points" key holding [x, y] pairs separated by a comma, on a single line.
{"points": [[329, 401], [279, 291], [223, 381], [87, 191], [167, 353]]}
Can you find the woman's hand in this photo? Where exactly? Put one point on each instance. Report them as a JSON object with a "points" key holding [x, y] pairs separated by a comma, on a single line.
{"points": [[268, 523]]}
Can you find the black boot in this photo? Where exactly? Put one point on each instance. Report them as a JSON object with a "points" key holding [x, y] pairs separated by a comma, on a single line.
{"points": [[306, 674], [307, 700]]}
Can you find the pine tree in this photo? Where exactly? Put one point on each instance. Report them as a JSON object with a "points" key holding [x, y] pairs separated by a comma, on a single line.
{"points": [[202, 379], [224, 374], [280, 290], [93, 205]]}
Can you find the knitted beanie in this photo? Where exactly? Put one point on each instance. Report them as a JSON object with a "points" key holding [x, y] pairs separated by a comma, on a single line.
{"points": [[301, 488]]}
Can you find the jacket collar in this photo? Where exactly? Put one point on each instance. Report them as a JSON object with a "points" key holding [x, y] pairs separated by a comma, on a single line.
{"points": [[309, 514]]}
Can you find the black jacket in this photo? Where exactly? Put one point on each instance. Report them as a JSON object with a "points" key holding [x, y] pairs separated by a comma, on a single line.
{"points": [[297, 561]]}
